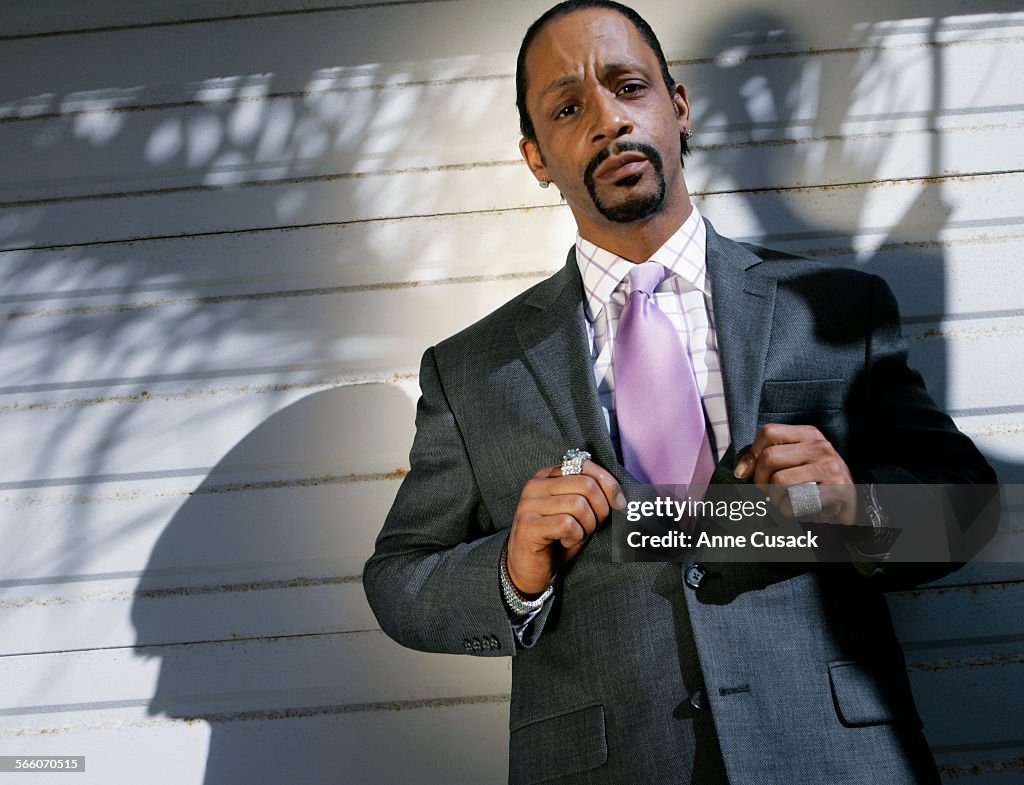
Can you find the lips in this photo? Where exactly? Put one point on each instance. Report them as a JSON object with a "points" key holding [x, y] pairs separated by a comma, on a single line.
{"points": [[621, 165]]}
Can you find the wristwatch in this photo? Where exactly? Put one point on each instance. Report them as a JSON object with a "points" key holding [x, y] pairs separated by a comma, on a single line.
{"points": [[872, 508], [875, 544]]}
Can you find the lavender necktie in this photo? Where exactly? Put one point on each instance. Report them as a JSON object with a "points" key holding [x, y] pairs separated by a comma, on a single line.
{"points": [[657, 404]]}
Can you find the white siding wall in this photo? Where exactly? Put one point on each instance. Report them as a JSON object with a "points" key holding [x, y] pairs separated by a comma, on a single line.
{"points": [[227, 232]]}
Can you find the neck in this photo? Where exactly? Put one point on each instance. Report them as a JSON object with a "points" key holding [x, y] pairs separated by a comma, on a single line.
{"points": [[638, 240]]}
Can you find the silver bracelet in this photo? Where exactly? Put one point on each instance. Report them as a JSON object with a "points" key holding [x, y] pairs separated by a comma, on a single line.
{"points": [[513, 599]]}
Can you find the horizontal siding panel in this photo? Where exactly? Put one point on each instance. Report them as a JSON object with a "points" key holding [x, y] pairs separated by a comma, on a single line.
{"points": [[315, 436], [434, 743], [999, 436], [813, 139], [931, 615], [425, 41], [106, 537], [376, 332], [954, 356], [64, 16], [967, 695], [421, 39], [364, 255], [980, 573], [110, 614], [232, 677]]}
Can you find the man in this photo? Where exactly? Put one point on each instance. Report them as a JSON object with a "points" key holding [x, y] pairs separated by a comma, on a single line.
{"points": [[649, 672]]}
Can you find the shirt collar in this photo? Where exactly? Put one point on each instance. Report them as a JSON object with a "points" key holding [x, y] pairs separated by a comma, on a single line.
{"points": [[683, 254]]}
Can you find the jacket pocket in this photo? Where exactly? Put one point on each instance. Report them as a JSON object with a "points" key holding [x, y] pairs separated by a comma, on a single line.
{"points": [[811, 395], [871, 693], [557, 746]]}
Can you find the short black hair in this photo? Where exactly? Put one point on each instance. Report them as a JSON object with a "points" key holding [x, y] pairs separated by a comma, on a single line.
{"points": [[560, 10]]}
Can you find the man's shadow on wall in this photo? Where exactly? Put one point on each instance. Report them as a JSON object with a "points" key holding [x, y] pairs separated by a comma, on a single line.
{"points": [[252, 599], [764, 97]]}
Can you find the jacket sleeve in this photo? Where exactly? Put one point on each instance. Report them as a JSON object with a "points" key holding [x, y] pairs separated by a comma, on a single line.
{"points": [[433, 580], [933, 482]]}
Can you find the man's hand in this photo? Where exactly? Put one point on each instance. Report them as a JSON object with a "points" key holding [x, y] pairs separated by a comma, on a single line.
{"points": [[554, 517], [786, 455]]}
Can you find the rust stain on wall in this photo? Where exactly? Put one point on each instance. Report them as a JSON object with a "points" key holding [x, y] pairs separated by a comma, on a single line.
{"points": [[283, 294], [984, 661], [257, 485], [269, 714], [212, 392], [182, 591], [955, 771]]}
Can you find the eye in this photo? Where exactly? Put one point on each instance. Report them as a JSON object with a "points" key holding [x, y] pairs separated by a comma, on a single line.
{"points": [[566, 111], [631, 88]]}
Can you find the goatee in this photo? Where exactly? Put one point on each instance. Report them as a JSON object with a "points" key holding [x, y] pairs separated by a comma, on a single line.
{"points": [[633, 208]]}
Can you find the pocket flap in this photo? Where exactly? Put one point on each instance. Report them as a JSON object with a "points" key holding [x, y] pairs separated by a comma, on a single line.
{"points": [[557, 746], [810, 395], [871, 693]]}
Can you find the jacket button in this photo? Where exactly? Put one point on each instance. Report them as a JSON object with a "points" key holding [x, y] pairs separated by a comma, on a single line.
{"points": [[695, 576], [699, 699], [467, 644]]}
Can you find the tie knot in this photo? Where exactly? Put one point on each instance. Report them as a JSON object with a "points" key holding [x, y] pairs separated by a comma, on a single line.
{"points": [[646, 277]]}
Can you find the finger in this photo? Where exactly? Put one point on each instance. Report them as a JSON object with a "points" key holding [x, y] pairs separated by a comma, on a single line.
{"points": [[773, 434], [548, 471], [608, 491], [834, 498], [551, 482], [781, 482], [577, 506], [609, 485], [584, 486], [567, 530], [778, 458]]}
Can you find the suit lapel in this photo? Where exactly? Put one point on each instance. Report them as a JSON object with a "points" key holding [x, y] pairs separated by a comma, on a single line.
{"points": [[743, 305], [554, 343]]}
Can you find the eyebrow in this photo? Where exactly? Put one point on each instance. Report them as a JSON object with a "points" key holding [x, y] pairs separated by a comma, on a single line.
{"points": [[571, 79]]}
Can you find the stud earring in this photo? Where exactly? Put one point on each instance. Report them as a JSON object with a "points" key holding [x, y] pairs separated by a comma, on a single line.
{"points": [[543, 183], [688, 134]]}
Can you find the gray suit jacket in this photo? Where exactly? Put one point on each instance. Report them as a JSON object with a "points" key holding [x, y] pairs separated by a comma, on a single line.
{"points": [[801, 669]]}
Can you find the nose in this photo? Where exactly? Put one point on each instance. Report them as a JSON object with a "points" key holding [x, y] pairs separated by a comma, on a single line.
{"points": [[610, 119]]}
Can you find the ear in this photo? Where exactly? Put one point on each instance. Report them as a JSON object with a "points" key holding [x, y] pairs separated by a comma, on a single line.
{"points": [[534, 159], [682, 106]]}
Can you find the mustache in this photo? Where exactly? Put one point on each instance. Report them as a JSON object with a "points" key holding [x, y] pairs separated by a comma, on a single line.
{"points": [[621, 147]]}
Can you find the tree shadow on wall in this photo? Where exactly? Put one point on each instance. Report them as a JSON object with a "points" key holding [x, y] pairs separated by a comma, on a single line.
{"points": [[174, 253], [252, 601]]}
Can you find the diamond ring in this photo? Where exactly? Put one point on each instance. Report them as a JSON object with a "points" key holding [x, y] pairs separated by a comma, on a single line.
{"points": [[572, 461], [805, 498]]}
